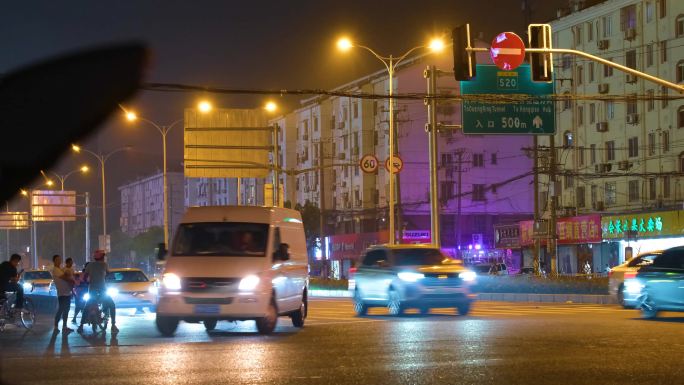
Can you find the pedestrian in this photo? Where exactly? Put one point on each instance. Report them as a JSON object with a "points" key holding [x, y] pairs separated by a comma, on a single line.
{"points": [[64, 283], [587, 268], [80, 289]]}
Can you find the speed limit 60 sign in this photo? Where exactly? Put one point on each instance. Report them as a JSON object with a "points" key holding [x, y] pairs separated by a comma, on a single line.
{"points": [[369, 164]]}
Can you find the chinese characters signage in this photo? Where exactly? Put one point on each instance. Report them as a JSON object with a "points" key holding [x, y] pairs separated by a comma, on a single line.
{"points": [[571, 230], [507, 236], [642, 225]]}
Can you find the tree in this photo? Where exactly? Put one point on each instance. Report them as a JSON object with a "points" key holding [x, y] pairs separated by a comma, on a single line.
{"points": [[311, 216]]}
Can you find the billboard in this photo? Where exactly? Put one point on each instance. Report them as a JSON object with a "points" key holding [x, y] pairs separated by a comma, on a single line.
{"points": [[53, 206], [14, 220], [227, 143]]}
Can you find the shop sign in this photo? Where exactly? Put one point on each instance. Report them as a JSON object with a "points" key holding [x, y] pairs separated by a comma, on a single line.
{"points": [[352, 246], [416, 236], [642, 225], [569, 230], [507, 236]]}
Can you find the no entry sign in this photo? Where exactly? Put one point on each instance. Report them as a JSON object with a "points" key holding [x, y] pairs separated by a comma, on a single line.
{"points": [[507, 51]]}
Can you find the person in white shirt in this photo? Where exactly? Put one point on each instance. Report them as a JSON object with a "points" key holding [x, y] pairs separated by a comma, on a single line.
{"points": [[64, 283]]}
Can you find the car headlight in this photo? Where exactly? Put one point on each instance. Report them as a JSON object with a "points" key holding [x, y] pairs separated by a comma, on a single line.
{"points": [[153, 290], [171, 281], [112, 292], [27, 285], [467, 276], [86, 297], [409, 276], [248, 283], [632, 286]]}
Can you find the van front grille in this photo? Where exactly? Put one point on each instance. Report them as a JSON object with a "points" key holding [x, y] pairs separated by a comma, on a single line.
{"points": [[196, 284]]}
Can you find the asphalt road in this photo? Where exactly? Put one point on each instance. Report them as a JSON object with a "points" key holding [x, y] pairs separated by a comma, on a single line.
{"points": [[498, 343]]}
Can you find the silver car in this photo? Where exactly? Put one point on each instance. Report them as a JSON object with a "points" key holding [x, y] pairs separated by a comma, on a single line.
{"points": [[411, 276], [618, 274]]}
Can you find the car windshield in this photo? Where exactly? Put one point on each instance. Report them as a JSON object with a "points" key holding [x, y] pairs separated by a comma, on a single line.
{"points": [[126, 276], [482, 268], [221, 239], [31, 275], [417, 257]]}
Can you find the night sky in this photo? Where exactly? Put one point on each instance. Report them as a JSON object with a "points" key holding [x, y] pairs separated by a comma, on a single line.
{"points": [[235, 44]]}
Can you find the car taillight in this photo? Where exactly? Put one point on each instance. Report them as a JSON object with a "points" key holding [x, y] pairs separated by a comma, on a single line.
{"points": [[630, 274], [610, 273], [352, 271]]}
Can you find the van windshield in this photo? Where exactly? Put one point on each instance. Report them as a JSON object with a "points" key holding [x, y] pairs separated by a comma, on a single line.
{"points": [[224, 239]]}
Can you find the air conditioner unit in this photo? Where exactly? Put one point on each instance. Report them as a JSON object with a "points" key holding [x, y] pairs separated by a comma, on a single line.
{"points": [[602, 126], [632, 118], [631, 78], [603, 88], [342, 156], [630, 33], [602, 44], [624, 165], [603, 167]]}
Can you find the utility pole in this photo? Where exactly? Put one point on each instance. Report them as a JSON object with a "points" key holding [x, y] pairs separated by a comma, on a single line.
{"points": [[431, 127], [87, 227], [460, 153], [321, 187], [535, 169], [552, 201]]}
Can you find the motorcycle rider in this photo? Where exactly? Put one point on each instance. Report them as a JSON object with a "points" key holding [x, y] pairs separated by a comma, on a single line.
{"points": [[95, 272], [9, 278]]}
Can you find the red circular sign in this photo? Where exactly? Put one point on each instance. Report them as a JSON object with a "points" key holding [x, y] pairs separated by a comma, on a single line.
{"points": [[507, 51]]}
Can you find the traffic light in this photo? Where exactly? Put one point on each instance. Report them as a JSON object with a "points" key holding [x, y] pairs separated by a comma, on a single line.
{"points": [[541, 64], [464, 60]]}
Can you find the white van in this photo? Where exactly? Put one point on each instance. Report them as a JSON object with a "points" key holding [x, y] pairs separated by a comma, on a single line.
{"points": [[233, 263]]}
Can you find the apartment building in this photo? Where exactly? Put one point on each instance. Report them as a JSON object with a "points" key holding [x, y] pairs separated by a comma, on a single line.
{"points": [[224, 192], [142, 203]]}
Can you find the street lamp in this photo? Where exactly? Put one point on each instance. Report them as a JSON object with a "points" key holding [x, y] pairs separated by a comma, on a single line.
{"points": [[435, 45], [62, 179], [204, 107], [270, 106], [102, 158]]}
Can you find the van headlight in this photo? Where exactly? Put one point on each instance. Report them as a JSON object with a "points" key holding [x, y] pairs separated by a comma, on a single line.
{"points": [[248, 283], [171, 281], [467, 276], [112, 292], [409, 276]]}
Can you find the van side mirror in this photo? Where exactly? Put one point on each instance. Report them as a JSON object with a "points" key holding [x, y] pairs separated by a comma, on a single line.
{"points": [[161, 251]]}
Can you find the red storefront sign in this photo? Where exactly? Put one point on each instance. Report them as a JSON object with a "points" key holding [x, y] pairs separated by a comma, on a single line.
{"points": [[352, 246], [570, 230]]}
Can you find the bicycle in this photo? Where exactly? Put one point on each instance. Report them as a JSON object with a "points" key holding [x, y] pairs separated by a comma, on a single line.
{"points": [[8, 314]]}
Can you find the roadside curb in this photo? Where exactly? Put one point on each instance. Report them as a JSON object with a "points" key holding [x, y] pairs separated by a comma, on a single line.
{"points": [[503, 297]]}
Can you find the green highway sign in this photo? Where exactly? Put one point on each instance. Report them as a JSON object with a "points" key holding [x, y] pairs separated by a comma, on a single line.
{"points": [[531, 117]]}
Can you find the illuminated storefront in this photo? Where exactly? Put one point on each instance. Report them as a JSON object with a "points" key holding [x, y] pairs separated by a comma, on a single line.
{"points": [[642, 232]]}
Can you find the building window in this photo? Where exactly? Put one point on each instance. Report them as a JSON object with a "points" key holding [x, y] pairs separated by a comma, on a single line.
{"points": [[628, 17], [494, 158], [446, 160], [569, 181], [478, 160], [631, 59], [567, 101], [580, 156], [662, 7], [652, 188], [680, 71], [663, 92], [580, 196], [681, 162], [590, 31], [631, 105], [649, 55], [666, 186], [592, 113], [610, 151], [610, 193], [579, 77], [679, 26], [666, 140], [650, 11], [590, 73], [355, 107], [680, 117], [663, 51], [608, 70], [594, 194], [610, 109], [578, 34], [567, 139], [580, 115], [607, 23], [592, 153], [633, 190], [447, 191], [650, 104], [633, 146], [651, 143], [315, 123], [567, 62], [478, 192]]}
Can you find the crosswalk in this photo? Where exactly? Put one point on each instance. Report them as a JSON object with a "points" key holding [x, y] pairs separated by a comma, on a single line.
{"points": [[341, 311]]}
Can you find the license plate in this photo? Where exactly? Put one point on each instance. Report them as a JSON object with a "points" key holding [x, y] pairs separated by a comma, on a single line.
{"points": [[442, 276], [207, 309]]}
